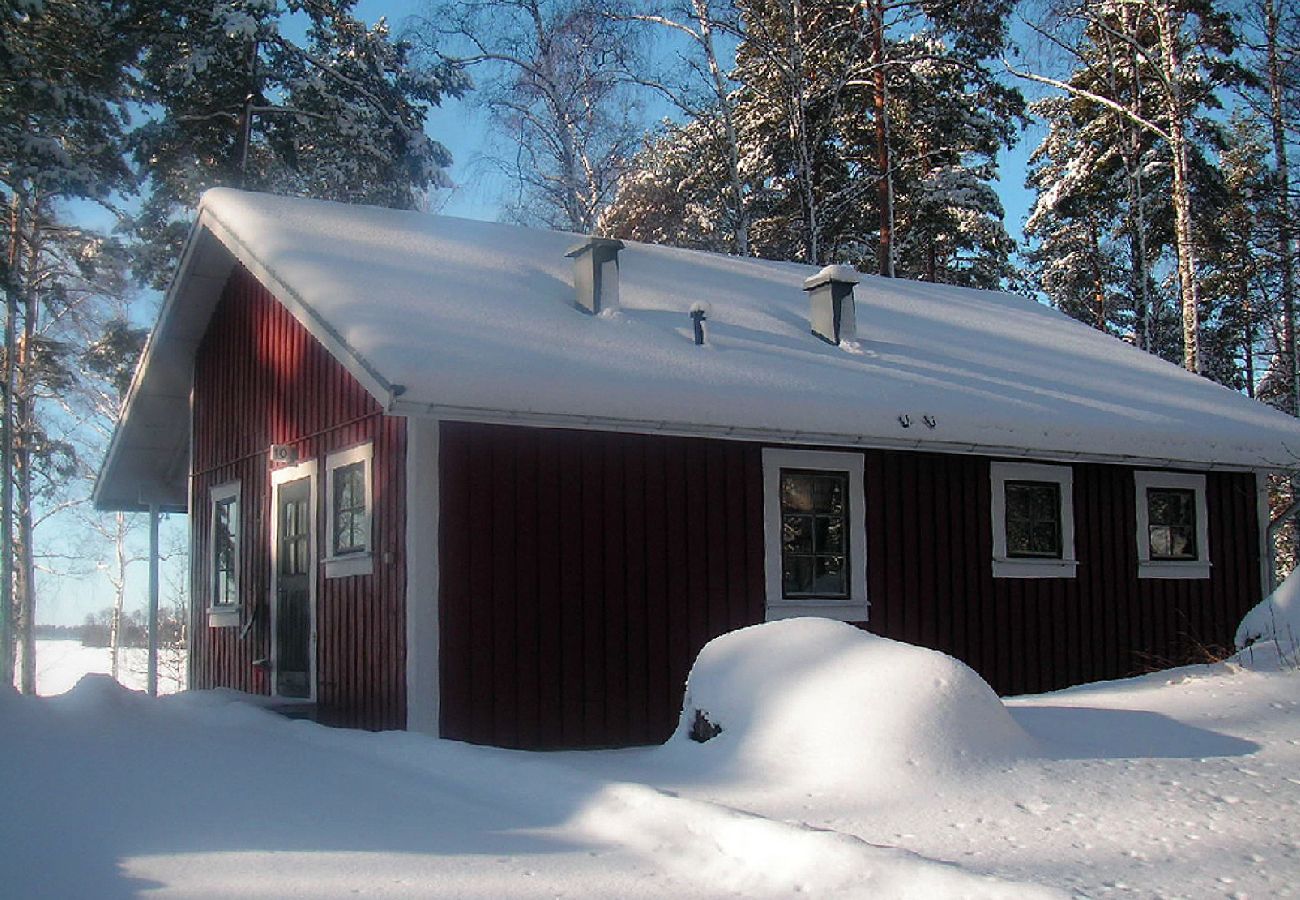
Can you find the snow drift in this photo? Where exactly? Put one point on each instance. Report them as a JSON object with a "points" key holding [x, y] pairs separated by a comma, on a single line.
{"points": [[811, 700], [1269, 635]]}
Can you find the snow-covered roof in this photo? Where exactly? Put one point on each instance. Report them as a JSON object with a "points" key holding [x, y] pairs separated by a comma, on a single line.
{"points": [[464, 319]]}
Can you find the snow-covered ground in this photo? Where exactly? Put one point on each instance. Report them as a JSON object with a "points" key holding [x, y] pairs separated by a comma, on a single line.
{"points": [[61, 664], [847, 765]]}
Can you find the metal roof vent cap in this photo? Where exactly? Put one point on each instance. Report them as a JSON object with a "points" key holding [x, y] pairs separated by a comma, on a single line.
{"points": [[832, 315], [595, 273]]}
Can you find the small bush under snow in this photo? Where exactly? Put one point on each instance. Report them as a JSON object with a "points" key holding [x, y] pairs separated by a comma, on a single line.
{"points": [[1269, 635], [816, 700]]}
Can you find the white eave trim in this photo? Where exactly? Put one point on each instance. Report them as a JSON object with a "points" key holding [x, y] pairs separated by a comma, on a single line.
{"points": [[415, 409]]}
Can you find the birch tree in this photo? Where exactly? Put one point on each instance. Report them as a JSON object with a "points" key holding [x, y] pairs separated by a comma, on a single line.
{"points": [[552, 75]]}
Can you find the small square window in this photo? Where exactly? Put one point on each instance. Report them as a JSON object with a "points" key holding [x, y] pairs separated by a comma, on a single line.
{"points": [[1033, 517], [1033, 520], [1172, 534]]}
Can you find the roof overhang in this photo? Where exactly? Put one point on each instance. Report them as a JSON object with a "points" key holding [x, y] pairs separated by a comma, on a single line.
{"points": [[147, 463]]}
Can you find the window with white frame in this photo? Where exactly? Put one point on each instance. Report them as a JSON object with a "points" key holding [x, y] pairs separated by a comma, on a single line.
{"points": [[349, 505], [1172, 525], [223, 549], [1033, 520], [815, 534]]}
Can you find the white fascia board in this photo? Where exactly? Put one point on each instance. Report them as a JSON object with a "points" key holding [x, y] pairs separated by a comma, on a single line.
{"points": [[142, 390], [416, 409], [384, 392]]}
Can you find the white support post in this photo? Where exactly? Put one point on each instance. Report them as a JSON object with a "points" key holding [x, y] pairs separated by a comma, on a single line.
{"points": [[153, 600]]}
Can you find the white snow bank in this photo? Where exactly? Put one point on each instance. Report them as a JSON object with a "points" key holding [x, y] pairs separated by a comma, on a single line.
{"points": [[750, 855], [1269, 635], [816, 701]]}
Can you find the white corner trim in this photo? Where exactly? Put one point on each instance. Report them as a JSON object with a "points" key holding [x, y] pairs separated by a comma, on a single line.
{"points": [[1267, 552], [422, 631], [1005, 566], [360, 562], [1171, 568], [852, 609], [224, 615], [306, 469]]}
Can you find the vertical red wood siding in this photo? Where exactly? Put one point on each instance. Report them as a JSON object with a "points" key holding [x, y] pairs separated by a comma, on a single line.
{"points": [[581, 572], [261, 378]]}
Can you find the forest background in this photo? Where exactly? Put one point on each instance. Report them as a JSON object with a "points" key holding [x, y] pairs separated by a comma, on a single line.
{"points": [[1127, 161]]}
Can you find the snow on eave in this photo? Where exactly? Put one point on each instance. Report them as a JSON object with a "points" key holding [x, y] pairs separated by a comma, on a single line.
{"points": [[357, 365], [460, 319]]}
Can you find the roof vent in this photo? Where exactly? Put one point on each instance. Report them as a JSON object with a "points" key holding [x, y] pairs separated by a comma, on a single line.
{"points": [[595, 273], [831, 294]]}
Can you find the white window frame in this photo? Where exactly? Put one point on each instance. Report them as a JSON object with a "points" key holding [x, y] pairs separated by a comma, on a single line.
{"points": [[223, 615], [854, 607], [1005, 566], [1171, 568], [360, 562]]}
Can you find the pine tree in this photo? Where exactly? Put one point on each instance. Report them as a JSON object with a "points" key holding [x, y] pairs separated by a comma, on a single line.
{"points": [[64, 112], [1180, 53], [239, 102]]}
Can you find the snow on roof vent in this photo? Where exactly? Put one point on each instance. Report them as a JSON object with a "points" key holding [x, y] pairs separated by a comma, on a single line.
{"points": [[830, 292], [595, 273]]}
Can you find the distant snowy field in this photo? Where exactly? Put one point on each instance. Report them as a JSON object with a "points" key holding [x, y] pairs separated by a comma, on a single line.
{"points": [[60, 665], [847, 766]]}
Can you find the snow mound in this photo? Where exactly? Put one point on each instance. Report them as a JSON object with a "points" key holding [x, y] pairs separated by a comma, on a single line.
{"points": [[811, 700], [1269, 636], [98, 694]]}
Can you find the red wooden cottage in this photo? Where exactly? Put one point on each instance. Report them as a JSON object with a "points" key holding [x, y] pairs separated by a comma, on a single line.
{"points": [[487, 482]]}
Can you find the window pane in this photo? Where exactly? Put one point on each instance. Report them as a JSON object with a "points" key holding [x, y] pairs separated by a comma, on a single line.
{"points": [[1171, 519], [829, 578], [814, 534], [796, 492], [225, 538], [796, 534], [351, 518], [830, 534], [796, 575], [1033, 519]]}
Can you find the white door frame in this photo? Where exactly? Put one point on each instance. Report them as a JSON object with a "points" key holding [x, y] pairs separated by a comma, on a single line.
{"points": [[280, 477]]}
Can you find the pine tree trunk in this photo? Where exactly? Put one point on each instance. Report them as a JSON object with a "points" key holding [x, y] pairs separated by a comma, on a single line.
{"points": [[884, 164], [1285, 246], [799, 134], [1183, 237]]}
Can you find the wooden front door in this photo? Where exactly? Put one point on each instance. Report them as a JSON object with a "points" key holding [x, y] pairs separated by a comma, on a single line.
{"points": [[293, 591]]}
